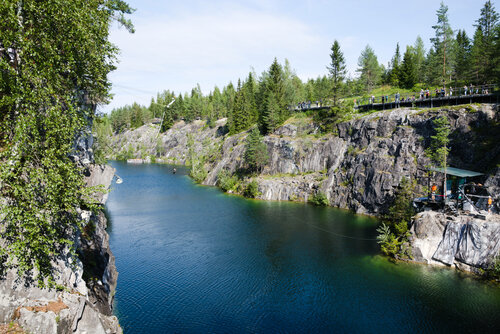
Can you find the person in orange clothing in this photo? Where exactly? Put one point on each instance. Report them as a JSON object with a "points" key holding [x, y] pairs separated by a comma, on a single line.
{"points": [[433, 192]]}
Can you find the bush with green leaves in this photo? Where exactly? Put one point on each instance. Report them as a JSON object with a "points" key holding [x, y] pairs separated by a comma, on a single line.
{"points": [[50, 83], [319, 199], [393, 237], [329, 118], [389, 243], [252, 190], [226, 181], [494, 269]]}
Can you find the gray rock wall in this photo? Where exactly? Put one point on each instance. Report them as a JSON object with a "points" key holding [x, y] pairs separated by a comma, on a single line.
{"points": [[358, 168], [463, 241]]}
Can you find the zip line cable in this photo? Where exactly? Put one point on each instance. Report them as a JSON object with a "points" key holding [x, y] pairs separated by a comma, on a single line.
{"points": [[134, 89], [341, 235]]}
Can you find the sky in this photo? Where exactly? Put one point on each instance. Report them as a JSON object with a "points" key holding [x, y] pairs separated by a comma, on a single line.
{"points": [[181, 43]]}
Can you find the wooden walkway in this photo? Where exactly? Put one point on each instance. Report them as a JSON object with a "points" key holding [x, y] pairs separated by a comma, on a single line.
{"points": [[410, 100], [432, 102]]}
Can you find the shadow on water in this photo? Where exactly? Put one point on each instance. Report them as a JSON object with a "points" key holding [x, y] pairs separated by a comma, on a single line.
{"points": [[192, 259]]}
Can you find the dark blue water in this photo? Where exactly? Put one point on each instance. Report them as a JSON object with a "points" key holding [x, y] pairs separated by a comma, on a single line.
{"points": [[194, 260]]}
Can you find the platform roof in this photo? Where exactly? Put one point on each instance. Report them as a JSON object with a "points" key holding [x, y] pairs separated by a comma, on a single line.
{"points": [[456, 172]]}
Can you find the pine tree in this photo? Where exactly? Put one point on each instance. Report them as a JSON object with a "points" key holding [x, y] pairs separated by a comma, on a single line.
{"points": [[479, 58], [394, 71], [496, 56], [337, 70], [439, 144], [289, 83], [463, 61], [443, 44], [228, 95], [408, 71], [219, 108], [488, 21], [420, 58], [271, 115], [369, 68], [256, 156], [272, 98], [250, 104], [236, 122], [483, 46]]}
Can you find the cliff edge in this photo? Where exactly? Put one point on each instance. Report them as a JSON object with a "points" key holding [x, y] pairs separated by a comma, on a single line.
{"points": [[85, 302]]}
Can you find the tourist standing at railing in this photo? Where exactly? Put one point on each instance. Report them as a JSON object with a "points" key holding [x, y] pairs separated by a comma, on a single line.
{"points": [[451, 91], [465, 89], [471, 90], [396, 98]]}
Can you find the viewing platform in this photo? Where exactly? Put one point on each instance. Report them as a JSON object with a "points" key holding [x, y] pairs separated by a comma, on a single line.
{"points": [[422, 99]]}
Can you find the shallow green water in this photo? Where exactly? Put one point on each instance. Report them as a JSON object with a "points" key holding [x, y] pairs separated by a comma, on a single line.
{"points": [[194, 260]]}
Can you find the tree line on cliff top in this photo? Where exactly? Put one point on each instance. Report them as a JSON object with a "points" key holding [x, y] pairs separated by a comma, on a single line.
{"points": [[453, 59]]}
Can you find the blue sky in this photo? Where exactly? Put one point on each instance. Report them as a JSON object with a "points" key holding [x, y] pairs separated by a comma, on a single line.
{"points": [[179, 44]]}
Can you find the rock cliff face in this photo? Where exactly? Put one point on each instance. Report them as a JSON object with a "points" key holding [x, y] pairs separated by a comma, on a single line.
{"points": [[464, 241], [358, 167], [85, 305]]}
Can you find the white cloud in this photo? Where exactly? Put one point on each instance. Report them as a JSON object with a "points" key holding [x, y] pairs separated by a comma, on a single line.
{"points": [[210, 48]]}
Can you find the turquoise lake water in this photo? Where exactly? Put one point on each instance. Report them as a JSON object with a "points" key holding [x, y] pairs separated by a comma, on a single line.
{"points": [[194, 260]]}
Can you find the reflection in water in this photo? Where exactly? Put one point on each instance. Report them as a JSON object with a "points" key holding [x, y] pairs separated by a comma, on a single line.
{"points": [[192, 259]]}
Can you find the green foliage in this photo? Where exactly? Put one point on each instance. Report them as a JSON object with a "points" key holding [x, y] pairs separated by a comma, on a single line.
{"points": [[102, 131], [369, 69], [244, 112], [124, 155], [395, 71], [408, 73], [197, 162], [319, 199], [395, 243], [337, 70], [463, 61], [252, 190], [494, 269], [226, 181], [328, 119], [256, 156], [198, 171], [272, 98], [443, 46], [439, 142], [419, 49], [61, 60], [389, 244], [401, 210], [484, 59]]}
